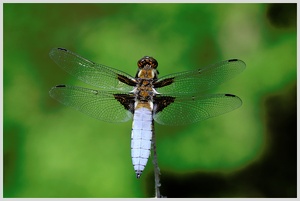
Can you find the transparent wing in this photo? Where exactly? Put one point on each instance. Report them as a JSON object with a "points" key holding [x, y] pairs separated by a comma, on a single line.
{"points": [[98, 104], [87, 71], [187, 110], [196, 81]]}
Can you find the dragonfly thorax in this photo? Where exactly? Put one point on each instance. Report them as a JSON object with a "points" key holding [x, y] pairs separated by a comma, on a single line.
{"points": [[144, 90]]}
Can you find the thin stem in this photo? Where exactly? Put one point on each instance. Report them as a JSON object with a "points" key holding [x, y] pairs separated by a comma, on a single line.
{"points": [[156, 168]]}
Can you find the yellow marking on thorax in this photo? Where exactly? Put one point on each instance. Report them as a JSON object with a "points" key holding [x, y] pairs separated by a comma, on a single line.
{"points": [[146, 74], [144, 94]]}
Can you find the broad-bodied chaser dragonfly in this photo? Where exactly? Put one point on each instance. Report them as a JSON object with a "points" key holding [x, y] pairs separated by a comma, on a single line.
{"points": [[175, 99]]}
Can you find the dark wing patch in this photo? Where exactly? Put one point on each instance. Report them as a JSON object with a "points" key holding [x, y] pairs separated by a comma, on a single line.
{"points": [[162, 102], [164, 82], [126, 80], [126, 100]]}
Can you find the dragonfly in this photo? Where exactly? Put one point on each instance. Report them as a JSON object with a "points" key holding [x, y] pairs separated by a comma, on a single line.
{"points": [[175, 99]]}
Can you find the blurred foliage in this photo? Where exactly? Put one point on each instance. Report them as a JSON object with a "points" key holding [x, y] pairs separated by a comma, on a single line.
{"points": [[54, 151]]}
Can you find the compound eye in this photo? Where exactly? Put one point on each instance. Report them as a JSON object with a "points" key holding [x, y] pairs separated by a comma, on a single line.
{"points": [[147, 61]]}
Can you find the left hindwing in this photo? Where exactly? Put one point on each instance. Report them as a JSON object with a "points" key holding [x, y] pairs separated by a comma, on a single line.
{"points": [[102, 105]]}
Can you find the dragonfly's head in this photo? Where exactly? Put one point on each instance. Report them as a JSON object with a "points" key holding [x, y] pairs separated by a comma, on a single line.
{"points": [[146, 60]]}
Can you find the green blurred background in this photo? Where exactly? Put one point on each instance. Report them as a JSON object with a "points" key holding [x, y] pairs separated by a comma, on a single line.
{"points": [[51, 150]]}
